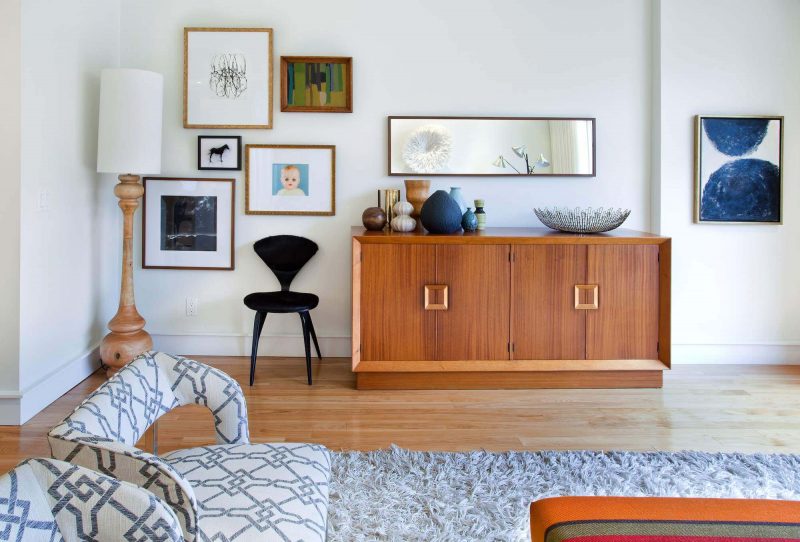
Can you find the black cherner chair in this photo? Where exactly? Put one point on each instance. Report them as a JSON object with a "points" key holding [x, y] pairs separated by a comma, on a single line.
{"points": [[285, 255]]}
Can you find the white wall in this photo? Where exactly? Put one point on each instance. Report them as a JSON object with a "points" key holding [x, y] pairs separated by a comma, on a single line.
{"points": [[449, 57], [10, 125], [69, 256], [736, 293]]}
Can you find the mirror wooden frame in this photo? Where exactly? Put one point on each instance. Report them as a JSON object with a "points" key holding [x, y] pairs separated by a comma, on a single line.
{"points": [[593, 173]]}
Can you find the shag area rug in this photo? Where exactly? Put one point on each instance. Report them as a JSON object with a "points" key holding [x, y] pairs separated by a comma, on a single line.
{"points": [[397, 494]]}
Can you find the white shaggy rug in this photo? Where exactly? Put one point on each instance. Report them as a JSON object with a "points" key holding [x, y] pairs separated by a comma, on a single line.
{"points": [[399, 495]]}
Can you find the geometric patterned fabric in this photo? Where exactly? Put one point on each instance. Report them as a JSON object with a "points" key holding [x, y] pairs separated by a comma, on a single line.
{"points": [[101, 433], [258, 491], [48, 500]]}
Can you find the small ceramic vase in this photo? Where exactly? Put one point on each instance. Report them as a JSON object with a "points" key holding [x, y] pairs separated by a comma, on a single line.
{"points": [[416, 194], [374, 219], [455, 193], [469, 221], [480, 214], [402, 222]]}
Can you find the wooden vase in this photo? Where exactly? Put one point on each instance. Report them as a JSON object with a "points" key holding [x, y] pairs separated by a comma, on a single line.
{"points": [[416, 194]]}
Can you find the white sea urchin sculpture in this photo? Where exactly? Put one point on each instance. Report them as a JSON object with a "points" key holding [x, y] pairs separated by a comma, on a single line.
{"points": [[428, 149]]}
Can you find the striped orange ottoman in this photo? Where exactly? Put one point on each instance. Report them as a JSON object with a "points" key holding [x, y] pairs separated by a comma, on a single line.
{"points": [[656, 519]]}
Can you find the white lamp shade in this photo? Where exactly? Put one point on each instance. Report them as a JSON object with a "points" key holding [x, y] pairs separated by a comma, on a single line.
{"points": [[129, 135]]}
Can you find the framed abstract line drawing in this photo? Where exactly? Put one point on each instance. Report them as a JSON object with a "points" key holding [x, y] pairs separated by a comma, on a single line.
{"points": [[188, 223], [227, 78], [219, 153], [290, 180], [738, 169], [319, 84]]}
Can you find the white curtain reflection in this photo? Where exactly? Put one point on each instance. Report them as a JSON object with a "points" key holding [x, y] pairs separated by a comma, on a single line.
{"points": [[571, 146]]}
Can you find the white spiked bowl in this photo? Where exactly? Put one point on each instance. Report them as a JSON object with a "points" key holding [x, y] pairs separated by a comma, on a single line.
{"points": [[580, 220]]}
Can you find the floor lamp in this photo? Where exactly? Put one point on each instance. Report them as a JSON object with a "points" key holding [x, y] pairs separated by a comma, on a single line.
{"points": [[128, 142]]}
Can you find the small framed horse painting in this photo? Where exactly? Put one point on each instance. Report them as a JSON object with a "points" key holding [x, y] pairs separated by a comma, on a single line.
{"points": [[219, 152]]}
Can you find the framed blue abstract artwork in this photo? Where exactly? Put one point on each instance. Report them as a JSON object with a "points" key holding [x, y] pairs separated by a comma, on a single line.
{"points": [[738, 169]]}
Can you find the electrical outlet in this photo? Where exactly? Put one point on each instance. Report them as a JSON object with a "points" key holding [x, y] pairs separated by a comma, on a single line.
{"points": [[43, 203], [191, 306]]}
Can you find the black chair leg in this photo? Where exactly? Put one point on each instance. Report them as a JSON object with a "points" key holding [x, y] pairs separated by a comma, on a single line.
{"points": [[307, 343], [258, 325], [313, 334]]}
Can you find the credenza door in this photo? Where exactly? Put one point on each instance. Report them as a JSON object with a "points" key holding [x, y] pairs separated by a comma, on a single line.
{"points": [[394, 322], [625, 324], [475, 325], [545, 322]]}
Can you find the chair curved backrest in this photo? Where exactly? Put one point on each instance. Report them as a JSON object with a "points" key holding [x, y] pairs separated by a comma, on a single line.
{"points": [[285, 255], [102, 431], [47, 500]]}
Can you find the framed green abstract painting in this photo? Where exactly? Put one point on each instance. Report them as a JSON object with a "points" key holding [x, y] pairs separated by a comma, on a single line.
{"points": [[320, 84]]}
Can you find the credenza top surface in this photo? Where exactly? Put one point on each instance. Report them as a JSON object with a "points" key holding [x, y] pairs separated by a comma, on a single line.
{"points": [[519, 236]]}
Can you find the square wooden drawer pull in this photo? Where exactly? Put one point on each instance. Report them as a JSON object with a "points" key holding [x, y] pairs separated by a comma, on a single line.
{"points": [[581, 302], [435, 297]]}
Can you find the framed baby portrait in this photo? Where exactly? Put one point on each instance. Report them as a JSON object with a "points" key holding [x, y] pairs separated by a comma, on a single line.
{"points": [[290, 180], [219, 153], [227, 78], [318, 84], [188, 223]]}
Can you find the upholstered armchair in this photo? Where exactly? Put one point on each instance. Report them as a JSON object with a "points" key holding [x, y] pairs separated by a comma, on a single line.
{"points": [[232, 490], [48, 500]]}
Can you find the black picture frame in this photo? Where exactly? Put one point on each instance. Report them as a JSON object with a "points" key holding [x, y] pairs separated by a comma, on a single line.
{"points": [[237, 152]]}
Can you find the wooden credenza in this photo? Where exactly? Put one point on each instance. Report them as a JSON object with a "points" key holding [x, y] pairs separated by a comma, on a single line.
{"points": [[510, 308]]}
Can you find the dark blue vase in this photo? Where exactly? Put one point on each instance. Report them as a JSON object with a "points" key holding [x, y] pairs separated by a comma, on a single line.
{"points": [[440, 213], [469, 221]]}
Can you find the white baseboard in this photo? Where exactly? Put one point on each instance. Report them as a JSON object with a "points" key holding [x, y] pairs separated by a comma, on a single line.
{"points": [[786, 353], [17, 408], [46, 390], [9, 408], [239, 344]]}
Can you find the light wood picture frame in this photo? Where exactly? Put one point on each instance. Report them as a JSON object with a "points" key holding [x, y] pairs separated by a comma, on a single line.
{"points": [[738, 169], [317, 84], [188, 223], [290, 180], [227, 78]]}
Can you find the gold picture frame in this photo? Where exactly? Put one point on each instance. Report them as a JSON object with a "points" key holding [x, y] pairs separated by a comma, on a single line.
{"points": [[345, 96], [698, 173], [261, 195], [269, 99]]}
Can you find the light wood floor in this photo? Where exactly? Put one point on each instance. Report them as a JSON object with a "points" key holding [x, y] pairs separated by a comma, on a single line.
{"points": [[712, 408]]}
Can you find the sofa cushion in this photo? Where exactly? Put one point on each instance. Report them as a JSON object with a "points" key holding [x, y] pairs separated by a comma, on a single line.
{"points": [[258, 491]]}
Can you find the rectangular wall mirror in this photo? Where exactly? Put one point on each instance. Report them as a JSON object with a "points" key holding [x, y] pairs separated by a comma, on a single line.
{"points": [[492, 146]]}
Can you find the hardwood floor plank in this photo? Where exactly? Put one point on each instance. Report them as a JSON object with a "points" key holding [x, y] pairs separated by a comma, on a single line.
{"points": [[701, 407]]}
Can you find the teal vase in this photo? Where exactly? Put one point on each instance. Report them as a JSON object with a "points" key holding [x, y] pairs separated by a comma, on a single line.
{"points": [[469, 221]]}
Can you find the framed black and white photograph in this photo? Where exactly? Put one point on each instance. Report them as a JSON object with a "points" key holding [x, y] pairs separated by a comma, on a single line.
{"points": [[290, 180], [188, 223], [219, 152], [738, 169], [227, 78]]}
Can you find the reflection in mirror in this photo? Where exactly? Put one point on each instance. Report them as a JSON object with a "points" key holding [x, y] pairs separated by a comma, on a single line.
{"points": [[491, 146]]}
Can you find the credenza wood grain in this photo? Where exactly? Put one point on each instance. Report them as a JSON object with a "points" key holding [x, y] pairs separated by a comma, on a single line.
{"points": [[545, 322], [576, 310], [476, 324], [625, 326]]}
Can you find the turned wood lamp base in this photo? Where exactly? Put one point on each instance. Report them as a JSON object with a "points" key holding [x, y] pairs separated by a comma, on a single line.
{"points": [[128, 338]]}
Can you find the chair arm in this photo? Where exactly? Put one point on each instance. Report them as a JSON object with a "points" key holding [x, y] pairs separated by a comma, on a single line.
{"points": [[132, 465], [86, 504], [197, 383]]}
